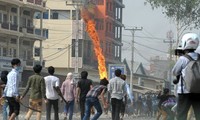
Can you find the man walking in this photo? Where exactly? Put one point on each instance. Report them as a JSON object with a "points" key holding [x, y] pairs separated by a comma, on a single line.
{"points": [[186, 99], [51, 83], [84, 85], [11, 91], [37, 84], [117, 90]]}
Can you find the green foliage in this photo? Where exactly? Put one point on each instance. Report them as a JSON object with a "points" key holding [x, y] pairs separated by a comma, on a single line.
{"points": [[185, 12]]}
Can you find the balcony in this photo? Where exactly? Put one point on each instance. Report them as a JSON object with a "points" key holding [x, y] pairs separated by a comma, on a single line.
{"points": [[37, 2], [30, 30], [5, 25], [110, 13], [120, 3], [13, 27], [110, 34]]}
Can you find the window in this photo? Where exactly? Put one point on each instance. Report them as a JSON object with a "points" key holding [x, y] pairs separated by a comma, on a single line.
{"points": [[13, 19], [37, 52], [60, 14], [55, 15], [14, 10], [27, 13], [27, 43], [46, 15], [4, 52], [100, 2], [1, 18], [13, 41], [74, 15], [5, 18]]}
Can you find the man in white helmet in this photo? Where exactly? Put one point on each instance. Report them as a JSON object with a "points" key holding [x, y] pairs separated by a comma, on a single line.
{"points": [[189, 44]]}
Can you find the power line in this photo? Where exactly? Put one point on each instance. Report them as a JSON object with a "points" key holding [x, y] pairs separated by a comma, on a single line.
{"points": [[146, 46]]}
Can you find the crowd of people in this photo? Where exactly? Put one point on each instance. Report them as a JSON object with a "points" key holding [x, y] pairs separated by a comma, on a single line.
{"points": [[112, 95]]}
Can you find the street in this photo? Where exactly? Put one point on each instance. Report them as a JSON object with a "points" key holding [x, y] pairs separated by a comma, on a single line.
{"points": [[77, 117]]}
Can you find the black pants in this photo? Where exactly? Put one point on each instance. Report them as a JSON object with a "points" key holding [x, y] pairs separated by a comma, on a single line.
{"points": [[53, 103], [14, 106], [116, 107], [82, 107], [184, 103]]}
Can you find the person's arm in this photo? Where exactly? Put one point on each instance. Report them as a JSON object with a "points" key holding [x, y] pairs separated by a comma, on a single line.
{"points": [[105, 105], [78, 91], [16, 85], [43, 89], [178, 66], [26, 89]]}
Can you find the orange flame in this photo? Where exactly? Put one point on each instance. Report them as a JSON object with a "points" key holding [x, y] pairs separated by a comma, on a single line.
{"points": [[90, 24]]}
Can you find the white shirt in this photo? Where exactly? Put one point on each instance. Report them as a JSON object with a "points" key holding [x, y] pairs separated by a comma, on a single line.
{"points": [[50, 82], [117, 88], [11, 89], [179, 68]]}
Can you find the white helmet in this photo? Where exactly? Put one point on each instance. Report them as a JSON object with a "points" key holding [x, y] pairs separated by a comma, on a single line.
{"points": [[189, 41]]}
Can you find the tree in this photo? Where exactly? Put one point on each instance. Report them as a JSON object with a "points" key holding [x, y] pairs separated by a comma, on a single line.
{"points": [[185, 13]]}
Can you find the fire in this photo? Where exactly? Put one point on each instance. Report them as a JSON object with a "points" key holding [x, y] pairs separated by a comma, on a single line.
{"points": [[90, 24]]}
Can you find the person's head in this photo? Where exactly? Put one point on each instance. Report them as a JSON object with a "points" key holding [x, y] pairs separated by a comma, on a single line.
{"points": [[104, 82], [4, 76], [189, 42], [51, 70], [118, 72], [69, 75], [123, 77], [37, 68], [166, 91], [16, 63], [84, 74]]}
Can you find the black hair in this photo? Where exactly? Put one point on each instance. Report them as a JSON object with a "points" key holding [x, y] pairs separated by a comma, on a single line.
{"points": [[104, 82], [165, 91], [84, 74], [15, 61], [51, 70], [4, 76], [37, 68], [118, 72]]}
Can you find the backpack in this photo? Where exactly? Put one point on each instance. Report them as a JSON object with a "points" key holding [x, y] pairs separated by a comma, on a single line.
{"points": [[192, 75]]}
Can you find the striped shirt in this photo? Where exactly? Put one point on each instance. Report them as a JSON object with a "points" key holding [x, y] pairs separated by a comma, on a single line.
{"points": [[96, 91], [11, 89]]}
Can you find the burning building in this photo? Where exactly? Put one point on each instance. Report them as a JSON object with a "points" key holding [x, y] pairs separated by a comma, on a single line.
{"points": [[61, 25]]}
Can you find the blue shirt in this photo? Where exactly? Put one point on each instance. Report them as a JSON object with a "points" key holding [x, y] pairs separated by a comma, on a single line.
{"points": [[11, 89]]}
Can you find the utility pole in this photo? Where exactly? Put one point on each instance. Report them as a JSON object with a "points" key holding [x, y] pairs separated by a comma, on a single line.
{"points": [[76, 41], [170, 36], [76, 4], [132, 54]]}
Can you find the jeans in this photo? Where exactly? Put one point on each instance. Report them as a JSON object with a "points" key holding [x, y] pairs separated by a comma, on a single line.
{"points": [[69, 108], [53, 103], [92, 101], [5, 110], [82, 107], [116, 107]]}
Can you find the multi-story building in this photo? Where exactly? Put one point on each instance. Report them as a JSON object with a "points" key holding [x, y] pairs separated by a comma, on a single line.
{"points": [[17, 31], [60, 22]]}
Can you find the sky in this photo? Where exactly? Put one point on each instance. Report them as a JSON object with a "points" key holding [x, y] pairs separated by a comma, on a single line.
{"points": [[150, 41]]}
